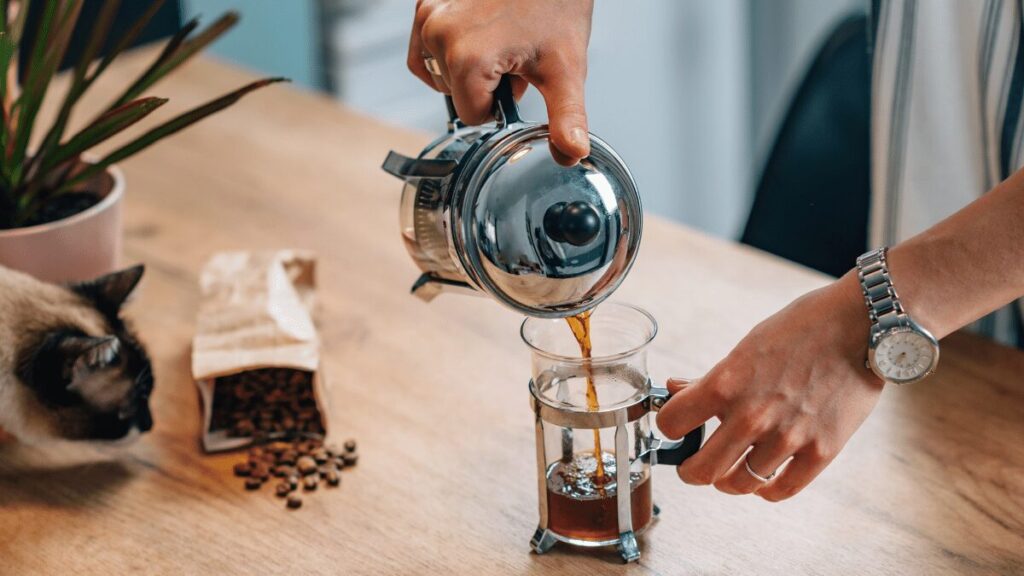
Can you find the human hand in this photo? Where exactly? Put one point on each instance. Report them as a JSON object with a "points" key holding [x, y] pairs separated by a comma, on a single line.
{"points": [[795, 386], [540, 42]]}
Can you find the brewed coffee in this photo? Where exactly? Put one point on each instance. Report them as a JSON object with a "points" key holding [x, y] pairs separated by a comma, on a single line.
{"points": [[582, 507]]}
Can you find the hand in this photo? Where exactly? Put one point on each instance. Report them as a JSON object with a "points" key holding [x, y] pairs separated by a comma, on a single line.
{"points": [[796, 386], [541, 42]]}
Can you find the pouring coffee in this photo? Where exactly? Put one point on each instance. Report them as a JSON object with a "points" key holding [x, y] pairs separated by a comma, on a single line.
{"points": [[486, 209], [595, 447]]}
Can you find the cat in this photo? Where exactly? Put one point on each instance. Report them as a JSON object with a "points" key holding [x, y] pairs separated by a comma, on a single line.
{"points": [[70, 368]]}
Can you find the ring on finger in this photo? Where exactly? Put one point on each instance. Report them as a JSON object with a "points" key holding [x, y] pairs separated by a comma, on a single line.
{"points": [[762, 479], [431, 64]]}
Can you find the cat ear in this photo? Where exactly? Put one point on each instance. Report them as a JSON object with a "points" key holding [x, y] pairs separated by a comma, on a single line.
{"points": [[109, 292]]}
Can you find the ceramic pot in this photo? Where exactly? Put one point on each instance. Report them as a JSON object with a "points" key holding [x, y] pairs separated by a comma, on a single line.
{"points": [[79, 247]]}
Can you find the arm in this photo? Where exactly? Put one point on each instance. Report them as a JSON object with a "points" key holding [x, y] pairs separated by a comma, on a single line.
{"points": [[539, 42], [796, 385]]}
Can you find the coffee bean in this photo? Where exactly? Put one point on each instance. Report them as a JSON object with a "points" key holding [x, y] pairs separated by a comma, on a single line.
{"points": [[253, 483], [306, 465], [278, 447], [351, 459], [294, 501], [282, 489], [293, 482], [256, 452], [242, 469], [289, 457], [310, 482], [340, 462], [333, 478], [320, 455], [243, 428], [350, 445], [263, 402]]}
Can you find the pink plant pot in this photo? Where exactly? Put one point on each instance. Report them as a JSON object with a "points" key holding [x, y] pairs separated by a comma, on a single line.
{"points": [[76, 248]]}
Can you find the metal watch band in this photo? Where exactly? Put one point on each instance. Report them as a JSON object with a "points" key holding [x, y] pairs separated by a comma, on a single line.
{"points": [[883, 303]]}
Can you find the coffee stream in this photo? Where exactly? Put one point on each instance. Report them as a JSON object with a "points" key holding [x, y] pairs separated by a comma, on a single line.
{"points": [[580, 326]]}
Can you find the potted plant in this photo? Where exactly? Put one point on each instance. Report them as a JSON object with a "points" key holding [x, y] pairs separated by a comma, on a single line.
{"points": [[60, 207]]}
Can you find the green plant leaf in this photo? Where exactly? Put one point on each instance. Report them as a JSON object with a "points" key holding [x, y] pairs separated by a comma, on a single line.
{"points": [[170, 59], [166, 129], [169, 49], [79, 82], [128, 38], [101, 129], [18, 26], [47, 54]]}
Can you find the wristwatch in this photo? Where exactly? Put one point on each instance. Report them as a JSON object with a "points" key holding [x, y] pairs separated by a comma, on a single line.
{"points": [[899, 350]]}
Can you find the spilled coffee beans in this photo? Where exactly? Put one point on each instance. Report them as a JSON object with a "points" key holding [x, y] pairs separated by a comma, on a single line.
{"points": [[303, 462]]}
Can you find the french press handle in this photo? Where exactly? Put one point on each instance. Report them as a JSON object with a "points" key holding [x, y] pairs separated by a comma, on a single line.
{"points": [[673, 452], [506, 111]]}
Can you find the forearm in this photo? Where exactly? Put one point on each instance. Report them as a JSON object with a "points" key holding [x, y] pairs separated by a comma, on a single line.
{"points": [[967, 265]]}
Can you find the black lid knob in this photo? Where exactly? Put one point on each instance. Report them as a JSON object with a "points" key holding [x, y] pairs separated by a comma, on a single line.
{"points": [[576, 223]]}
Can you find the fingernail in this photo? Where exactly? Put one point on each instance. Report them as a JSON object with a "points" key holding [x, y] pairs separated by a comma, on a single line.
{"points": [[578, 136]]}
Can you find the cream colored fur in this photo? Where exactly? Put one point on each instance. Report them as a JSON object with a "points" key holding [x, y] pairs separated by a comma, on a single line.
{"points": [[29, 309]]}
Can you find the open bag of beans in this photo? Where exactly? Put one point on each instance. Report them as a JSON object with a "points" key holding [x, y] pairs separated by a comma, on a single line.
{"points": [[256, 354]]}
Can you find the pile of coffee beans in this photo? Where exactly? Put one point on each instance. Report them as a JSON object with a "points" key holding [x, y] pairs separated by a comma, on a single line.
{"points": [[265, 403], [302, 464]]}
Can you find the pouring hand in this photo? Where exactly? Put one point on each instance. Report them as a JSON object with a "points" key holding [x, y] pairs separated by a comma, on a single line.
{"points": [[795, 387], [540, 42]]}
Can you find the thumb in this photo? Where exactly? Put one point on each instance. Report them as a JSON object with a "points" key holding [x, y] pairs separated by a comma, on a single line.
{"points": [[676, 384], [567, 117]]}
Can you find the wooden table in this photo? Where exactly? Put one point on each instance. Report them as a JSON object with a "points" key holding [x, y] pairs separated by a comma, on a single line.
{"points": [[436, 394]]}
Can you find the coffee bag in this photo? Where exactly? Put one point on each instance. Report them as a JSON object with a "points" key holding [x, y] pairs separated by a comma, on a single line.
{"points": [[256, 354]]}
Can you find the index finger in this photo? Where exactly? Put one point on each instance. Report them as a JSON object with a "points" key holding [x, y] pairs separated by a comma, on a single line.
{"points": [[688, 408], [414, 59]]}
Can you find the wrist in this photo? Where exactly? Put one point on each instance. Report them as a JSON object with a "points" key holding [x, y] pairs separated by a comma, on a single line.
{"points": [[850, 317]]}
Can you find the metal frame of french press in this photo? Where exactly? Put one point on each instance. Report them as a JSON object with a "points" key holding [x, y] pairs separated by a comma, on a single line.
{"points": [[655, 450]]}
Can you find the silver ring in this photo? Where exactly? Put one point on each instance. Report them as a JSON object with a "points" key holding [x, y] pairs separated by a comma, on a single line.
{"points": [[763, 479], [432, 66]]}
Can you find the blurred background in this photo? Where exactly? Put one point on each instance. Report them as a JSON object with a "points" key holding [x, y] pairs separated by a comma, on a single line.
{"points": [[691, 93]]}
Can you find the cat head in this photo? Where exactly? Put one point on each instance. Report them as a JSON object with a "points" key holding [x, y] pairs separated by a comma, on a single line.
{"points": [[85, 375]]}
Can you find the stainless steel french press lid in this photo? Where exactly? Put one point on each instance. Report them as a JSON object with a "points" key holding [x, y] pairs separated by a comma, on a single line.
{"points": [[488, 208]]}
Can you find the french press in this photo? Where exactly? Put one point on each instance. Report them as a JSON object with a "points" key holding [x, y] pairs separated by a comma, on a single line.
{"points": [[486, 208], [582, 502]]}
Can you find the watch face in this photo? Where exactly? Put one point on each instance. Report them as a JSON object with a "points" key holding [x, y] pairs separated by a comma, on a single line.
{"points": [[904, 356]]}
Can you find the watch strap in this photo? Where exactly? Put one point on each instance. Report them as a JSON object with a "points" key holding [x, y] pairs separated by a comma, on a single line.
{"points": [[884, 307]]}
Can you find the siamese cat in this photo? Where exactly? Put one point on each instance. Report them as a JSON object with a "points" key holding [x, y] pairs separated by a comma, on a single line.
{"points": [[70, 368]]}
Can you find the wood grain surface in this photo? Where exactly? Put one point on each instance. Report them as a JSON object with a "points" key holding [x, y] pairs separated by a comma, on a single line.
{"points": [[436, 395]]}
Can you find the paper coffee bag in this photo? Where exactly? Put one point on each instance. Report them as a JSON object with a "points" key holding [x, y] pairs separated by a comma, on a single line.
{"points": [[256, 354]]}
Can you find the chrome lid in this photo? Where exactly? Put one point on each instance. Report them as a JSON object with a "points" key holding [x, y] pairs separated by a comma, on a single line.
{"points": [[548, 240]]}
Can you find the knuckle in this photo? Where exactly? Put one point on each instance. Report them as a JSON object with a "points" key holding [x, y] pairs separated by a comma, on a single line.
{"points": [[756, 425], [697, 475], [820, 451], [462, 59], [788, 442], [435, 32]]}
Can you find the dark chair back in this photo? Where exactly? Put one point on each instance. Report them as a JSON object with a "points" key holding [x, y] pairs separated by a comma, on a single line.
{"points": [[811, 204]]}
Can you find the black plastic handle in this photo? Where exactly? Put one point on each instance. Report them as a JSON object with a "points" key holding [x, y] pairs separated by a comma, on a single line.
{"points": [[674, 453], [506, 111], [506, 108]]}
